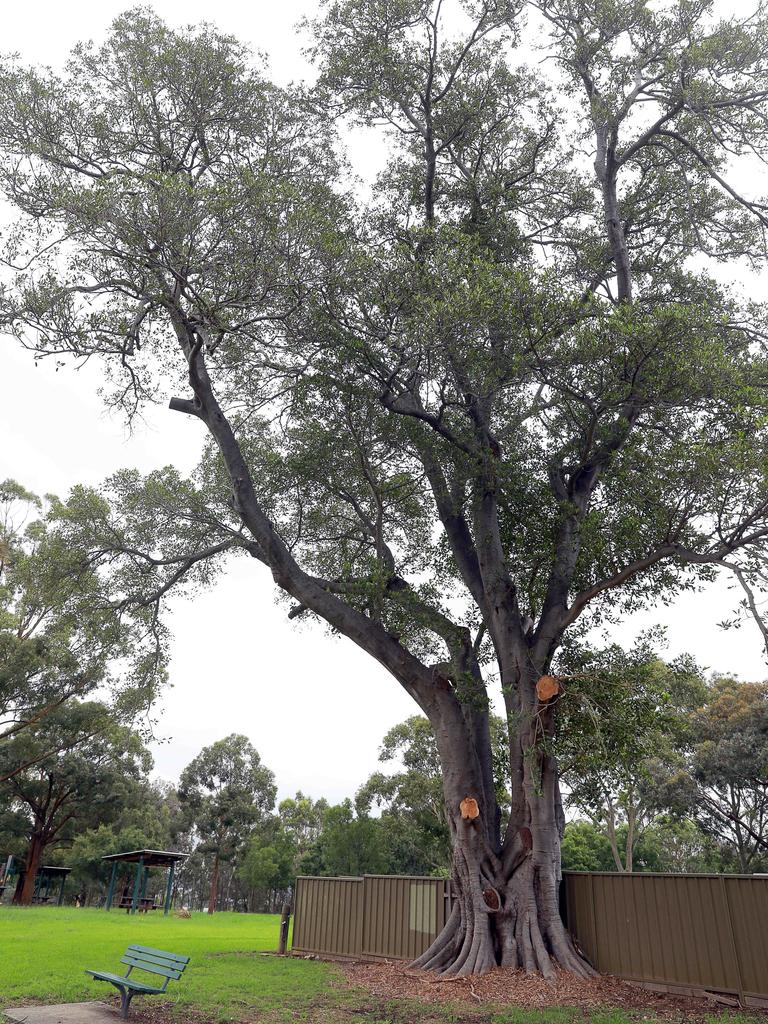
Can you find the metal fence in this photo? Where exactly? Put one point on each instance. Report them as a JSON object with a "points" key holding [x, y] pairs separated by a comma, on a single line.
{"points": [[688, 933], [378, 917]]}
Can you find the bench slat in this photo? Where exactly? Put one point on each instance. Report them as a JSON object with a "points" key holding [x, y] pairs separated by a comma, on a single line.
{"points": [[155, 958], [120, 979], [151, 958], [162, 953], [150, 968]]}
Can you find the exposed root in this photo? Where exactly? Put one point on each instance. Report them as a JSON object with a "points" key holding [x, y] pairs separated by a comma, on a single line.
{"points": [[431, 958], [526, 932], [566, 954], [543, 958]]}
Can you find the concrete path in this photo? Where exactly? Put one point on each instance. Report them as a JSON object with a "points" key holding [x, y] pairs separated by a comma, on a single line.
{"points": [[65, 1013]]}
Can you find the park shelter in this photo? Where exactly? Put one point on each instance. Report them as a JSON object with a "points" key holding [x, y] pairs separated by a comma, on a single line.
{"points": [[45, 878], [144, 860]]}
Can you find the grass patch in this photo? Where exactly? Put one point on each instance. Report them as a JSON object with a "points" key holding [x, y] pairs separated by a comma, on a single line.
{"points": [[44, 952]]}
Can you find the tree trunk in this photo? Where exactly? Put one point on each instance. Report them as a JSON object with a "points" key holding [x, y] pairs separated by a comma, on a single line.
{"points": [[25, 887], [214, 886], [506, 910]]}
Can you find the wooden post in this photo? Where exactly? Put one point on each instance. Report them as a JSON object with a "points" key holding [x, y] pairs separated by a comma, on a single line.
{"points": [[61, 890], [169, 887], [285, 921], [111, 890], [137, 886]]}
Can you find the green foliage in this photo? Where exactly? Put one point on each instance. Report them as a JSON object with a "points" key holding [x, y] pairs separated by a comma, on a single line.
{"points": [[623, 730], [442, 287], [74, 769], [269, 858], [63, 631], [349, 844], [143, 822], [586, 848], [725, 781], [302, 818], [411, 800], [223, 792]]}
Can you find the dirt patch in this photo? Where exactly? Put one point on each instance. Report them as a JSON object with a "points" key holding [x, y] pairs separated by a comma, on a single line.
{"points": [[503, 987]]}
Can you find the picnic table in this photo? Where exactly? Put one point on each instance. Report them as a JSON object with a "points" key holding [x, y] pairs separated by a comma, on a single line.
{"points": [[144, 904]]}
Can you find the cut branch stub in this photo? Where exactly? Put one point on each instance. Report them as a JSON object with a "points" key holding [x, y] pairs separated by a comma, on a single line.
{"points": [[492, 899], [469, 808], [547, 688]]}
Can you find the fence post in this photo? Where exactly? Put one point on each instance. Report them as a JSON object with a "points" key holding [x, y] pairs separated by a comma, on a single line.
{"points": [[285, 920], [732, 934], [596, 951]]}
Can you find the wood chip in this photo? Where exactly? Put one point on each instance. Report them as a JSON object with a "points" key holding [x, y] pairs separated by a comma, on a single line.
{"points": [[503, 987]]}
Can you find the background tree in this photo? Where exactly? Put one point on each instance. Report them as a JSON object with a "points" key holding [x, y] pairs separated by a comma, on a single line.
{"points": [[302, 819], [143, 822], [724, 782], [268, 865], [61, 633], [350, 843], [503, 399], [79, 765], [623, 729], [411, 800], [224, 792]]}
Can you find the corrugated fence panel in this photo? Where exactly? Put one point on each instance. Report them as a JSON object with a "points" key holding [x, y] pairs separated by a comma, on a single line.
{"points": [[663, 929], [329, 916], [403, 914], [696, 932], [748, 904]]}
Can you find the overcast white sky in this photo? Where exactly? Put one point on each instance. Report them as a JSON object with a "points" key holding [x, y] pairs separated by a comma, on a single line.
{"points": [[316, 708]]}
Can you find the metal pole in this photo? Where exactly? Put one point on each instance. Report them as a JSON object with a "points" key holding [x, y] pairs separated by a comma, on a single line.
{"points": [[61, 890], [144, 880], [111, 890], [137, 885], [169, 887]]}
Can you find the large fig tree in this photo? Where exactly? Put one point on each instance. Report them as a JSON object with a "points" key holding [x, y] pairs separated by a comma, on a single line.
{"points": [[458, 415]]}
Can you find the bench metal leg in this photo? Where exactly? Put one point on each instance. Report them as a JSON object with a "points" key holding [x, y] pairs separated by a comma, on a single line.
{"points": [[125, 1002]]}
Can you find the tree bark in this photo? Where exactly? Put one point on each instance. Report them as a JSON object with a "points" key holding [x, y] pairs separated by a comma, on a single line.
{"points": [[506, 910], [25, 887], [214, 886]]}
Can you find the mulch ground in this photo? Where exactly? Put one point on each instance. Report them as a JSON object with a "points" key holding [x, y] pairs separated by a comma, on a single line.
{"points": [[504, 987]]}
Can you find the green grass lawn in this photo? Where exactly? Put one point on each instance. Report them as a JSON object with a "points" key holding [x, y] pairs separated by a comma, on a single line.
{"points": [[45, 950]]}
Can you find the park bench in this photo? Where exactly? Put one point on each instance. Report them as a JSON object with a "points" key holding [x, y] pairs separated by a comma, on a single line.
{"points": [[151, 961]]}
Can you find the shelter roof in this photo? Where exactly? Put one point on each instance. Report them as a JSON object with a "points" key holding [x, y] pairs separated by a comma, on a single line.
{"points": [[151, 858]]}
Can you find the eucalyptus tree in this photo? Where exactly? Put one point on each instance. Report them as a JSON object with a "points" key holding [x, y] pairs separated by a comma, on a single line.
{"points": [[502, 397], [223, 793]]}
